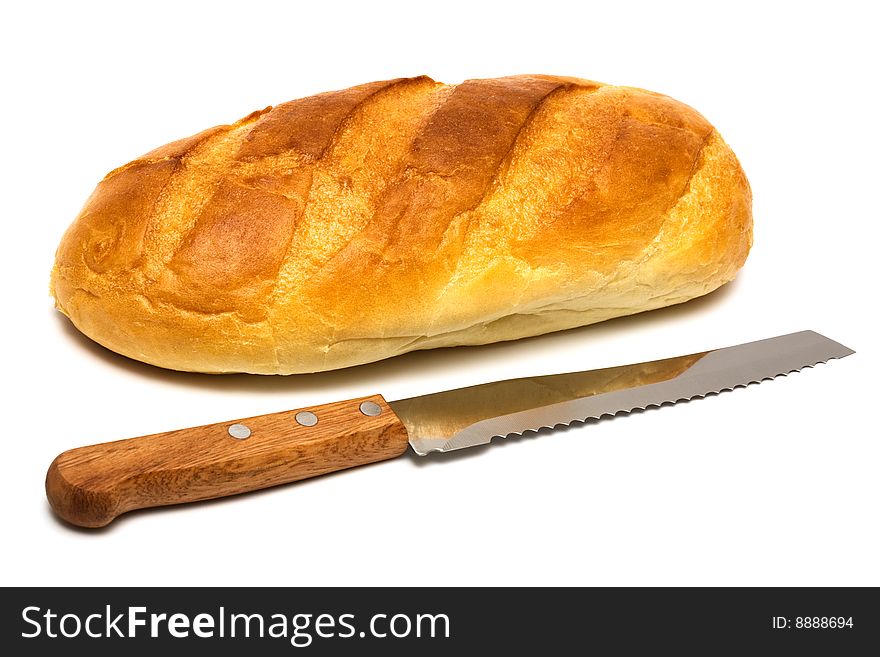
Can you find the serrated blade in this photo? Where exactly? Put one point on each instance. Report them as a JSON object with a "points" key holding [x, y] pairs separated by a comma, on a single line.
{"points": [[466, 417]]}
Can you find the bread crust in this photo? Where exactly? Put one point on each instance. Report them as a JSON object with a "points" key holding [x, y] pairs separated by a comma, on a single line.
{"points": [[406, 214]]}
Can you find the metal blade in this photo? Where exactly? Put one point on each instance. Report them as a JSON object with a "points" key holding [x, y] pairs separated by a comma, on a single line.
{"points": [[466, 417]]}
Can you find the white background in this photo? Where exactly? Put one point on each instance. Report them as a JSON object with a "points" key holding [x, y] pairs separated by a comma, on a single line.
{"points": [[776, 484]]}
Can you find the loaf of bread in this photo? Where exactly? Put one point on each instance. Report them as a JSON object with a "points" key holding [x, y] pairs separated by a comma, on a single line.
{"points": [[360, 224]]}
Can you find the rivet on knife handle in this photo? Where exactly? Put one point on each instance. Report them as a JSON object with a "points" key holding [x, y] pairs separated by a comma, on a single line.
{"points": [[90, 486]]}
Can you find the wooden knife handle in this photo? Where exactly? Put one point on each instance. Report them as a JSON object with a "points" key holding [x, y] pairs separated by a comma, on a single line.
{"points": [[90, 486]]}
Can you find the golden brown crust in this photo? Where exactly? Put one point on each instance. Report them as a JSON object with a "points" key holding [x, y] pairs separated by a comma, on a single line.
{"points": [[356, 225]]}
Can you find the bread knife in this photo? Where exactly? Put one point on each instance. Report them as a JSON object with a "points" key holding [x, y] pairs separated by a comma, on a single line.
{"points": [[90, 486]]}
